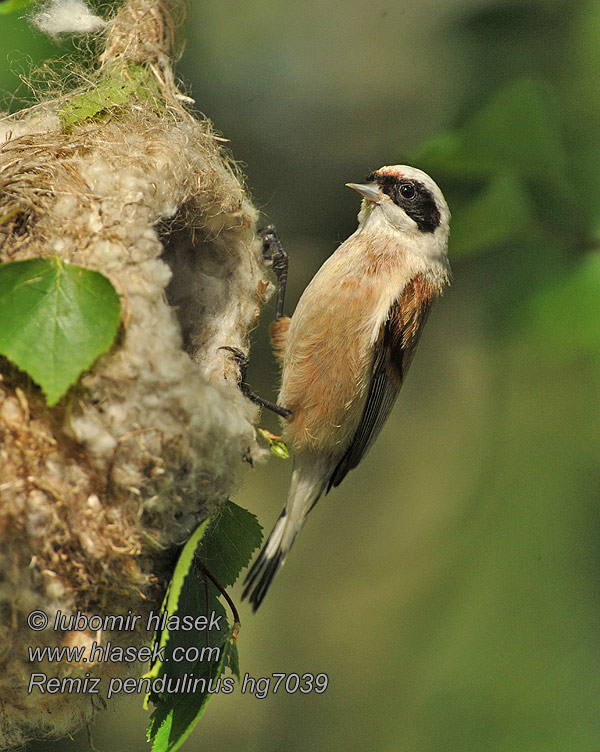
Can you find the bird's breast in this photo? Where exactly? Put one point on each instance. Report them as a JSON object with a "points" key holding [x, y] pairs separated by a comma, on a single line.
{"points": [[330, 346]]}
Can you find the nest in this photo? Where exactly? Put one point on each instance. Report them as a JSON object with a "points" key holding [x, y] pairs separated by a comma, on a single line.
{"points": [[96, 492]]}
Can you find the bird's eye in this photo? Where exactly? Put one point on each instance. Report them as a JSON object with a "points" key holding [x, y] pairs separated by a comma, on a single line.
{"points": [[407, 190]]}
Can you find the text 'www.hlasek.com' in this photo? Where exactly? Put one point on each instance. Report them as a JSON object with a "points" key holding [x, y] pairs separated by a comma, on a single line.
{"points": [[83, 645]]}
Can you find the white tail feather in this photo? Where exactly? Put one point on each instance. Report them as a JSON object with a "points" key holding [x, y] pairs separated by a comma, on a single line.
{"points": [[304, 493]]}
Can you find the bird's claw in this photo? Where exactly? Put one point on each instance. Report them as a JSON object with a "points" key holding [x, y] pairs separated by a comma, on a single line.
{"points": [[242, 360], [273, 251], [275, 257]]}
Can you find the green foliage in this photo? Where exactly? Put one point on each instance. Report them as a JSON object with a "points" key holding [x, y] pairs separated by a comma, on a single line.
{"points": [[512, 190], [564, 316], [501, 212], [517, 129], [510, 155], [55, 320], [176, 715], [222, 548], [10, 6], [227, 548], [118, 87]]}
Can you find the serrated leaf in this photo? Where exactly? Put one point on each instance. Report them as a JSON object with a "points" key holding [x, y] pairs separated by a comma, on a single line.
{"points": [[118, 88], [177, 712], [224, 547], [174, 719], [55, 320], [170, 602], [228, 545], [10, 6]]}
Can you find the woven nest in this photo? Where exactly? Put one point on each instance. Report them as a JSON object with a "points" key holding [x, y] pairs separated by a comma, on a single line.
{"points": [[97, 491]]}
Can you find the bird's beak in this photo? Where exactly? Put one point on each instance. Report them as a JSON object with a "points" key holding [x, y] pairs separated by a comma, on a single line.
{"points": [[371, 191]]}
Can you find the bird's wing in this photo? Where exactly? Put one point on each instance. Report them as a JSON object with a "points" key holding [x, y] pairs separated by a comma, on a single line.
{"points": [[394, 351]]}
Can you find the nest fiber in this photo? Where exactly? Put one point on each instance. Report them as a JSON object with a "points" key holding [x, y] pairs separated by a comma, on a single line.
{"points": [[97, 492]]}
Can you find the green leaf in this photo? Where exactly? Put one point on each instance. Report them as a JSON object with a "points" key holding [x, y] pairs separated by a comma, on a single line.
{"points": [[55, 320], [177, 712], [518, 129], [511, 154], [170, 602], [118, 88], [174, 720], [564, 318], [224, 547], [228, 545], [10, 6], [501, 212]]}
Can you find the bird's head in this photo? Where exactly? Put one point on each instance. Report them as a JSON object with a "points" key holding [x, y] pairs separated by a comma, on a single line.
{"points": [[406, 200]]}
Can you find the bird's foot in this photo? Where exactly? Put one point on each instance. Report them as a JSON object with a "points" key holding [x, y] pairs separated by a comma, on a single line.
{"points": [[275, 257], [242, 361]]}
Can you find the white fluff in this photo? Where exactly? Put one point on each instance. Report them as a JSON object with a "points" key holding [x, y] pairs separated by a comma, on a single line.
{"points": [[67, 17]]}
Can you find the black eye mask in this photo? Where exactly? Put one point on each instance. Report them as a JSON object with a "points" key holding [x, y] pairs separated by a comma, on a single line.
{"points": [[421, 207]]}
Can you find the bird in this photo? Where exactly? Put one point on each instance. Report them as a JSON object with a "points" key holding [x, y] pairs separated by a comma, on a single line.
{"points": [[347, 348]]}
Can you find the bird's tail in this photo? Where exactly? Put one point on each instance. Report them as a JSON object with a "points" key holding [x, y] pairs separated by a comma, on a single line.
{"points": [[304, 494]]}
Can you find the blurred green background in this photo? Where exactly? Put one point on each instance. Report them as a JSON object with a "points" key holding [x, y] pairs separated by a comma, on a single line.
{"points": [[450, 587]]}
